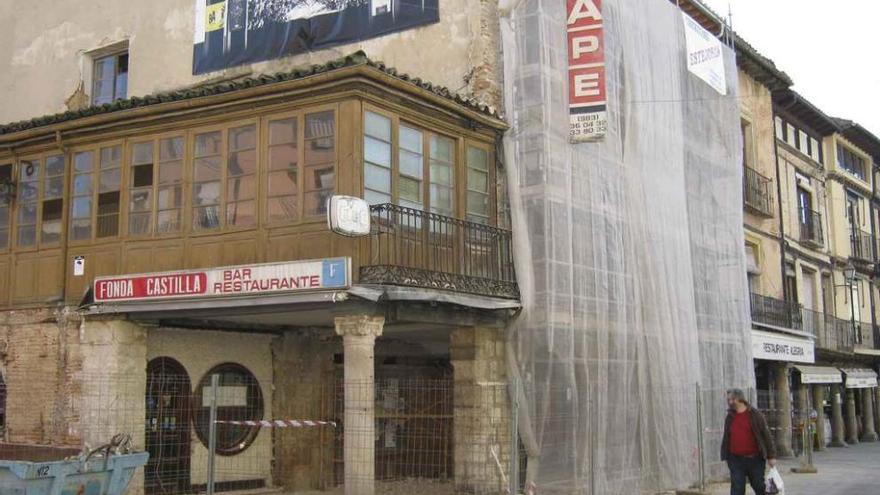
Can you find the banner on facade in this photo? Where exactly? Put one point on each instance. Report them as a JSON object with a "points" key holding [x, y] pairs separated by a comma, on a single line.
{"points": [[588, 113], [819, 374], [777, 347], [236, 32], [259, 279], [705, 58]]}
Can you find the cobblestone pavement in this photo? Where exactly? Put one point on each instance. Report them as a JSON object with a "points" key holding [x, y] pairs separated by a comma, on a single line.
{"points": [[842, 471]]}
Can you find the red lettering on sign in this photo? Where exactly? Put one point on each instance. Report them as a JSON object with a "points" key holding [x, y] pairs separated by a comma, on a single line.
{"points": [[144, 287]]}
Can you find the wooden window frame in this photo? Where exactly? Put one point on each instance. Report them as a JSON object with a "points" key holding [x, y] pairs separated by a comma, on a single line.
{"points": [[96, 61], [16, 204], [460, 142], [10, 205], [121, 218], [490, 178]]}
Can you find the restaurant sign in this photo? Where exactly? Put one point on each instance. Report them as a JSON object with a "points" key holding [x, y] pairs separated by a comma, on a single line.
{"points": [[242, 280], [588, 116], [777, 347]]}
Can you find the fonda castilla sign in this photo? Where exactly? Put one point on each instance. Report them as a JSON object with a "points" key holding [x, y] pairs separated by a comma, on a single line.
{"points": [[241, 280], [778, 347], [236, 32]]}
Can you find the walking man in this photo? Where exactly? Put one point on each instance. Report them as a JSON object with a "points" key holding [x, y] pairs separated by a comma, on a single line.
{"points": [[747, 445]]}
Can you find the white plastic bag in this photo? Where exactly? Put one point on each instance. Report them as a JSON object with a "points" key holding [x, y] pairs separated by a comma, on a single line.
{"points": [[773, 484]]}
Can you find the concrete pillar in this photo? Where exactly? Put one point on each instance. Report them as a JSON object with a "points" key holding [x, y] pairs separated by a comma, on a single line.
{"points": [[837, 424], [481, 410], [818, 405], [852, 423], [869, 434], [359, 334], [783, 406]]}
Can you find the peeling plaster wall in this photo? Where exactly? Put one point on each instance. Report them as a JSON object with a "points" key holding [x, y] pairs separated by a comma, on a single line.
{"points": [[43, 45]]}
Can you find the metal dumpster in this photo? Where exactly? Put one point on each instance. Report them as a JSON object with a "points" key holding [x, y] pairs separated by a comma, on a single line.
{"points": [[43, 470]]}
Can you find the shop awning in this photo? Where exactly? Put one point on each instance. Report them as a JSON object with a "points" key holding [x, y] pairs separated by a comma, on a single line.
{"points": [[860, 378], [819, 374]]}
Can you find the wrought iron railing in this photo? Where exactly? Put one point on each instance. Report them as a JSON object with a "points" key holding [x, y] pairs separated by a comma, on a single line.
{"points": [[862, 244], [776, 312], [422, 249], [757, 192], [811, 227]]}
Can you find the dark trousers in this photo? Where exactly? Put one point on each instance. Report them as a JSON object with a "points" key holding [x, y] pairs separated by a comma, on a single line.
{"points": [[746, 468]]}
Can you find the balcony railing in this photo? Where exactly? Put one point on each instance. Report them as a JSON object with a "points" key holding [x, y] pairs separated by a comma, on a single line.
{"points": [[811, 227], [756, 192], [862, 244], [421, 249], [776, 312]]}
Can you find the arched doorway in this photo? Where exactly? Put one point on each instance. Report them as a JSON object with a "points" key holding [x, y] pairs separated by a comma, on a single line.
{"points": [[168, 399]]}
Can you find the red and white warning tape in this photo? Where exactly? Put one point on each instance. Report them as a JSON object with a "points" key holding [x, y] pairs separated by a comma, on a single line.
{"points": [[280, 423]]}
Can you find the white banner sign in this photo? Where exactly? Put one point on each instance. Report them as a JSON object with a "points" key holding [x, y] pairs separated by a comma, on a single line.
{"points": [[776, 347], [860, 378], [705, 56]]}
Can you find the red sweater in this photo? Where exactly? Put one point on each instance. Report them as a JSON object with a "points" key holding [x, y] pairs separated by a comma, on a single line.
{"points": [[742, 440]]}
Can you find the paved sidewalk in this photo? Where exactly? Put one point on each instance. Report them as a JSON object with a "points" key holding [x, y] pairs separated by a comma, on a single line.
{"points": [[842, 471]]}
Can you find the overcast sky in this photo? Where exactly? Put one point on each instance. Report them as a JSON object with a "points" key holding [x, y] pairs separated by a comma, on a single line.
{"points": [[830, 49]]}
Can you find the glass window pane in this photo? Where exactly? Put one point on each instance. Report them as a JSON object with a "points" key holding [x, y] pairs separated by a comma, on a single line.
{"points": [[53, 188], [441, 200], [377, 178], [478, 203], [83, 162], [170, 172], [171, 149], [110, 179], [316, 202], [377, 152], [411, 164], [4, 239], [139, 223], [27, 213], [108, 203], [243, 138], [441, 173], [441, 148], [241, 214], [410, 190], [319, 178], [82, 184], [282, 208], [108, 226], [208, 144], [478, 181], [206, 193], [121, 89], [30, 170], [142, 153], [478, 158], [242, 162], [170, 197], [282, 157], [206, 218], [82, 207], [320, 125], [377, 126], [168, 221], [282, 131], [142, 176], [52, 210], [140, 201], [207, 169], [81, 228], [282, 183], [319, 150], [111, 157], [4, 219], [240, 188], [27, 191], [54, 165], [27, 235], [411, 139], [375, 198]]}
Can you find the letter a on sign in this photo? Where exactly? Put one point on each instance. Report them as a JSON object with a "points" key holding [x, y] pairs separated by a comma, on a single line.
{"points": [[586, 70]]}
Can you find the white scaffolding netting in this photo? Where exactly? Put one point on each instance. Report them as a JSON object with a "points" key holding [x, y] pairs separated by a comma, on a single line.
{"points": [[629, 254]]}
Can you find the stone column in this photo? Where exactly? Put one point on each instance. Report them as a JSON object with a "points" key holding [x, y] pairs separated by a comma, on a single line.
{"points": [[869, 434], [818, 405], [837, 423], [359, 334], [852, 423], [481, 410], [783, 406]]}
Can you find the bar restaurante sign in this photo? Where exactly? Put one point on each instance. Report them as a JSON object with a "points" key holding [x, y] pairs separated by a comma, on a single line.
{"points": [[267, 278]]}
